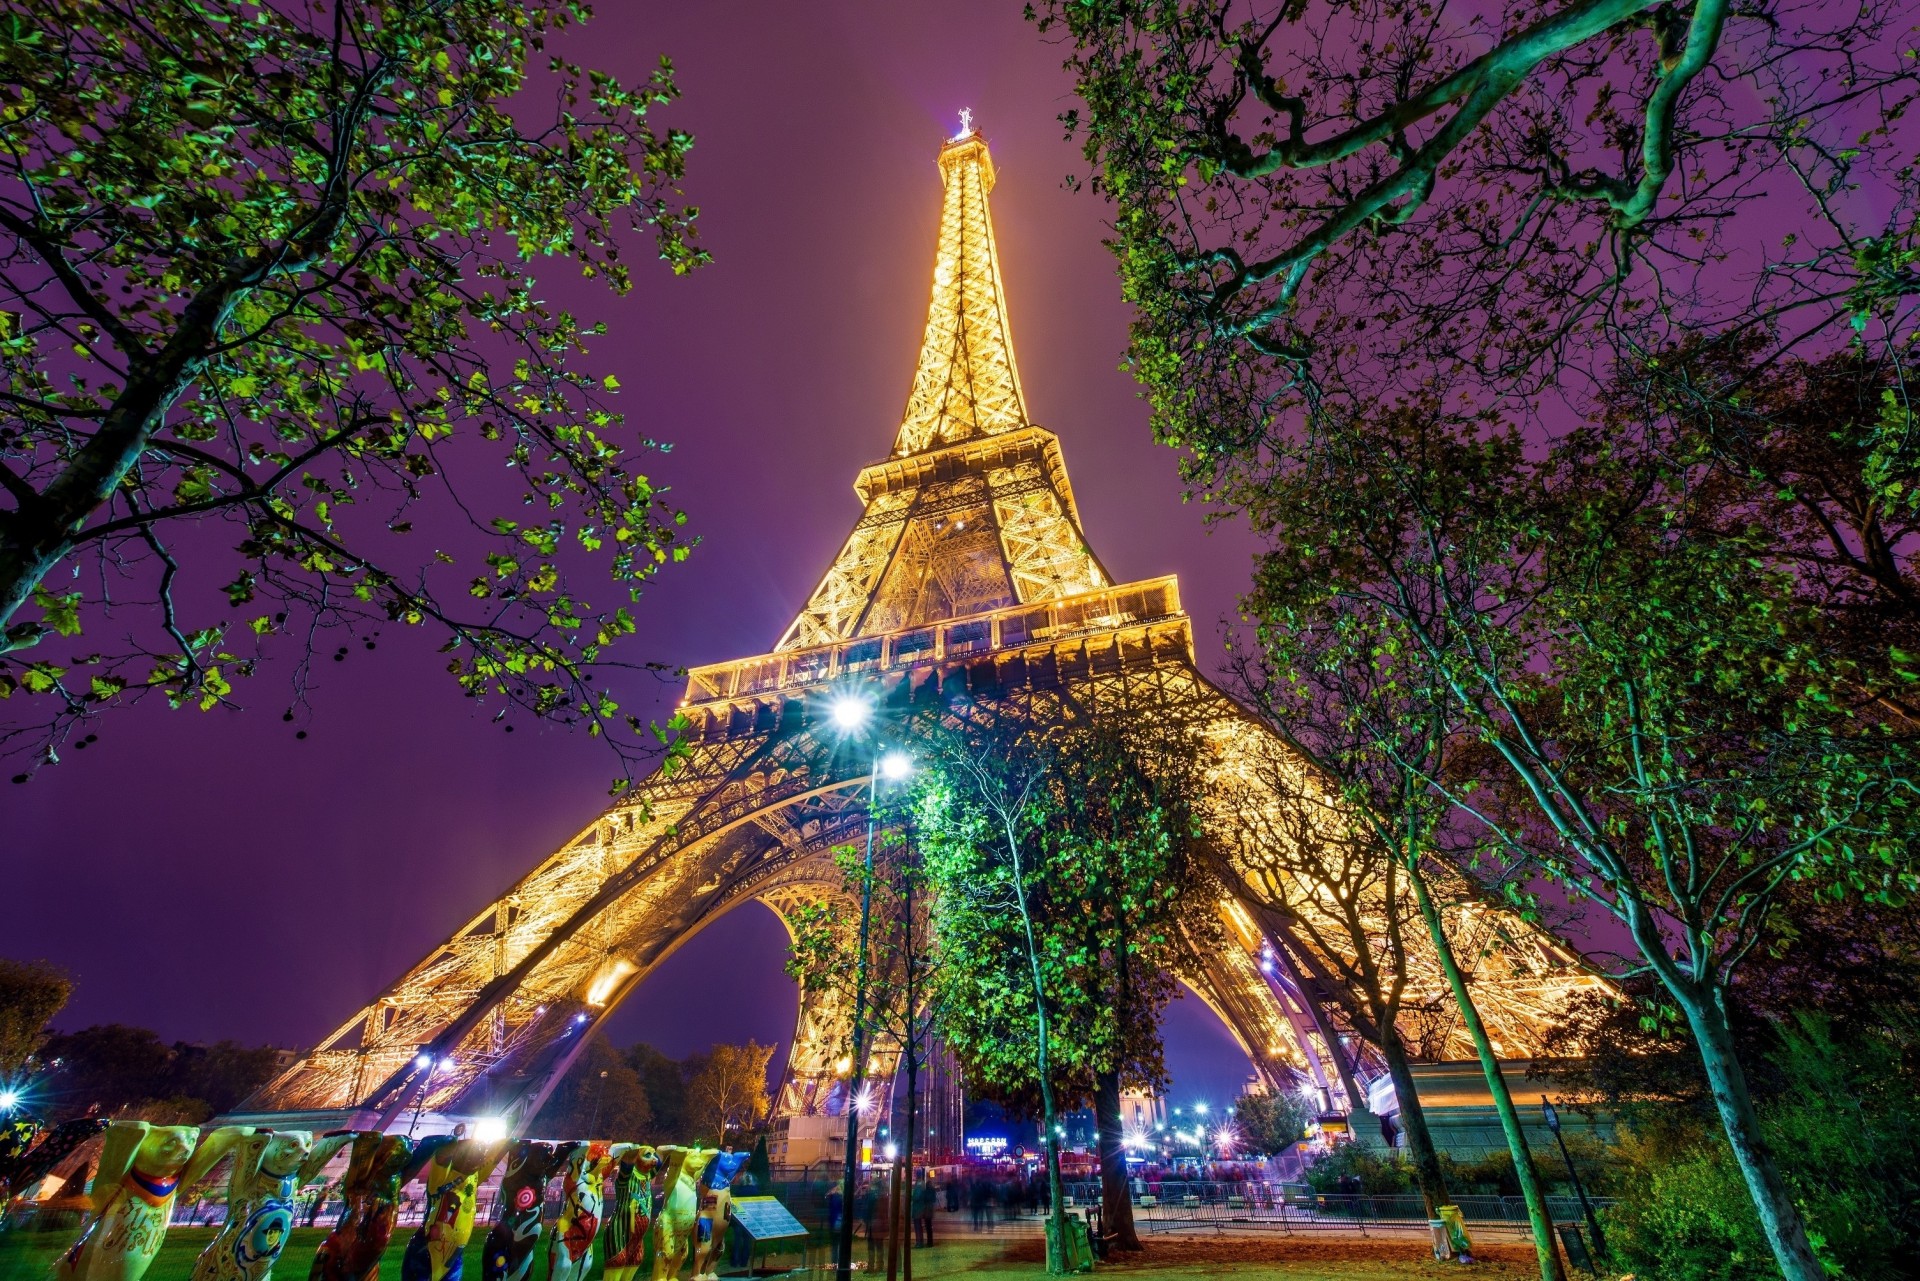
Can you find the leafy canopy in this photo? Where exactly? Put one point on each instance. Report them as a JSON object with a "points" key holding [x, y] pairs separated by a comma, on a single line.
{"points": [[272, 363]]}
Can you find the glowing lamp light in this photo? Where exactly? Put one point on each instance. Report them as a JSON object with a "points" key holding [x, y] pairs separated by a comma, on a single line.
{"points": [[9, 1100], [893, 1153], [1201, 1108], [490, 1129], [863, 1100], [895, 766], [850, 712], [423, 1060]]}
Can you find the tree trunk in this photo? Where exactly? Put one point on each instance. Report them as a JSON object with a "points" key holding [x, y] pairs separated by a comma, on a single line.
{"points": [[913, 1076], [1546, 1251], [1780, 1218], [1056, 1193], [1116, 1199], [894, 1217], [1413, 1120]]}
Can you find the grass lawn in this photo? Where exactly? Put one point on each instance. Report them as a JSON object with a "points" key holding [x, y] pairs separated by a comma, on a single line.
{"points": [[27, 1256]]}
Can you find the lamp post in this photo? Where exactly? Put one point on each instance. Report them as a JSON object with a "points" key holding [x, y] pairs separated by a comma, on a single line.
{"points": [[850, 713], [1586, 1206], [600, 1098], [428, 1066]]}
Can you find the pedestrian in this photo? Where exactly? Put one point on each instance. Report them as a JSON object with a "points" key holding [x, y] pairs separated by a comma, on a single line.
{"points": [[926, 1198], [835, 1205], [867, 1208]]}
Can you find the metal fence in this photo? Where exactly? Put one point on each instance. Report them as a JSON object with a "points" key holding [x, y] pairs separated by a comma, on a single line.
{"points": [[1295, 1207]]}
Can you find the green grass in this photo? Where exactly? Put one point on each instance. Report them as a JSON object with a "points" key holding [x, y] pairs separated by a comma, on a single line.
{"points": [[27, 1256]]}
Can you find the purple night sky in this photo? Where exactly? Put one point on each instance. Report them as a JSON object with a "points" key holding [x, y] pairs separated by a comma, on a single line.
{"points": [[209, 876]]}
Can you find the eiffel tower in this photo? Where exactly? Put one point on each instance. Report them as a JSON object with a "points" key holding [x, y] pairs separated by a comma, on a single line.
{"points": [[968, 575]]}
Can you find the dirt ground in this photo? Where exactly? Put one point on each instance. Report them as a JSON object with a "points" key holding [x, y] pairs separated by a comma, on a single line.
{"points": [[1400, 1255]]}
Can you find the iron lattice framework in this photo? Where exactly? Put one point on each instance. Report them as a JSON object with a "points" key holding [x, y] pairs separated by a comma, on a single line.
{"points": [[968, 577]]}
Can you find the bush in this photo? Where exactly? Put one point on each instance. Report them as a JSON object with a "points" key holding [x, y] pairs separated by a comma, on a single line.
{"points": [[1842, 1126], [1351, 1167]]}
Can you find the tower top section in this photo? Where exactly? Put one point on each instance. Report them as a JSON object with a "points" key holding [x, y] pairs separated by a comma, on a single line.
{"points": [[965, 384]]}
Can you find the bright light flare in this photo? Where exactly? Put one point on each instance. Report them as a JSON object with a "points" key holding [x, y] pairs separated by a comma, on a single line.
{"points": [[9, 1100], [850, 712], [863, 1100], [490, 1129], [1226, 1138], [895, 766]]}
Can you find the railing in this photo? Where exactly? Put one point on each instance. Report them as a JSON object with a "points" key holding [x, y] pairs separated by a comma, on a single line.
{"points": [[1174, 1206], [1070, 616]]}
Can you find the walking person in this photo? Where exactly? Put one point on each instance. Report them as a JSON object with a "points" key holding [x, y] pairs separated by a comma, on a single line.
{"points": [[867, 1207], [926, 1199]]}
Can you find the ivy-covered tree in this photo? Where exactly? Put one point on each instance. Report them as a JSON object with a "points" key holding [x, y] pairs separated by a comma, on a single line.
{"points": [[1087, 832], [272, 362], [979, 805]]}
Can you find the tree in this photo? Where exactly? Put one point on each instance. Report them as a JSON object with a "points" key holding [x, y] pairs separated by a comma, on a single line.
{"points": [[666, 1086], [1336, 225], [1320, 206], [265, 279], [978, 809], [1646, 707], [119, 1070], [600, 1096], [222, 1074], [1342, 899], [729, 1090], [1132, 900], [1365, 822], [900, 1000], [1271, 1123], [31, 994], [1087, 832], [1817, 457]]}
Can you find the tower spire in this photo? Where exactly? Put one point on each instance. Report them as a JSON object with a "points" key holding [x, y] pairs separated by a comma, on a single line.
{"points": [[965, 384]]}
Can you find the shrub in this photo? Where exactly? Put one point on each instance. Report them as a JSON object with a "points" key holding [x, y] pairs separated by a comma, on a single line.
{"points": [[1842, 1126]]}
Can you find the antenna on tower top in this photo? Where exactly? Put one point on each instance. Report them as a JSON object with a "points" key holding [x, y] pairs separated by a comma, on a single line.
{"points": [[966, 123]]}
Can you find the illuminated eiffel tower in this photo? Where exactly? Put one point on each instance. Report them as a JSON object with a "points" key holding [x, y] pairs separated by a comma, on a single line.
{"points": [[968, 574]]}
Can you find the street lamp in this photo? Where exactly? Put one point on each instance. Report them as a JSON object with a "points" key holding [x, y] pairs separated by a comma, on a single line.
{"points": [[425, 1062], [850, 714], [1586, 1206]]}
